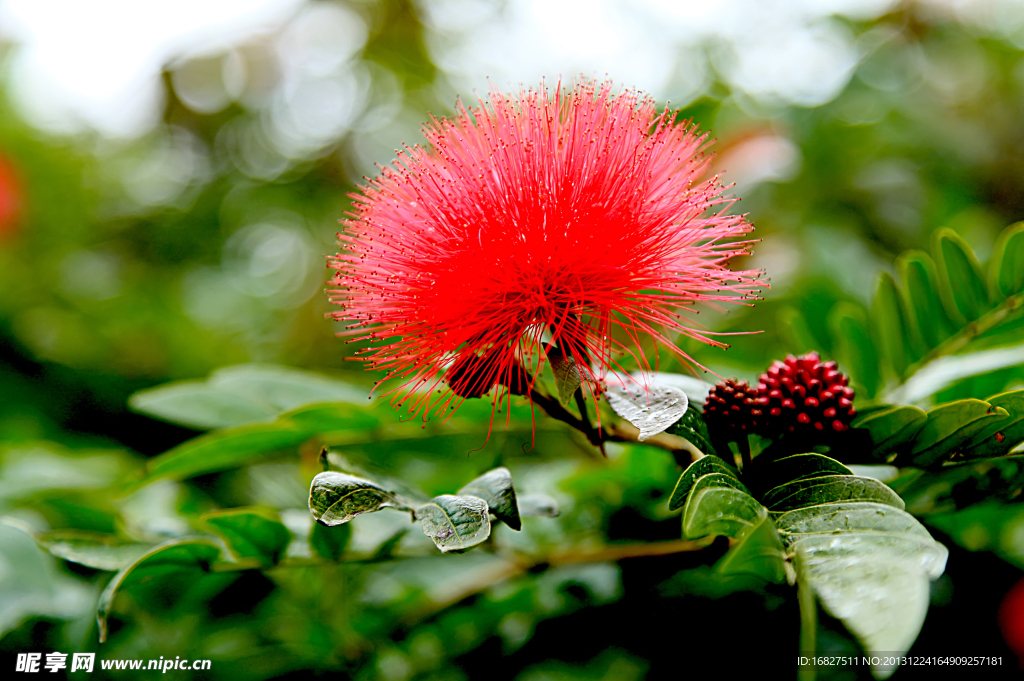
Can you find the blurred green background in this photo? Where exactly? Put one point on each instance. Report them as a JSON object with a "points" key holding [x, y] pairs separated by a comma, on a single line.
{"points": [[171, 176]]}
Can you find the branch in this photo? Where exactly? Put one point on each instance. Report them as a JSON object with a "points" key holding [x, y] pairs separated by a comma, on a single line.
{"points": [[680, 447]]}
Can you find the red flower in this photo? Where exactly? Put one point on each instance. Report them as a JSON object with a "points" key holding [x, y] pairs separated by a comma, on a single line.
{"points": [[571, 212], [10, 198]]}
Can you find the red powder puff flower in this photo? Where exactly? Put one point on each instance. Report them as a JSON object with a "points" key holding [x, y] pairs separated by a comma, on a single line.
{"points": [[10, 198], [562, 215]]}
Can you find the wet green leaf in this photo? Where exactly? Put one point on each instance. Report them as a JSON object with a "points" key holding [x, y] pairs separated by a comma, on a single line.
{"points": [[495, 487], [336, 498], [757, 550], [961, 283], [191, 555], [1006, 270], [999, 437], [763, 476], [651, 411], [716, 510], [251, 533], [700, 467], [891, 428], [874, 583], [92, 549], [847, 516], [949, 427], [693, 428], [829, 488], [455, 523]]}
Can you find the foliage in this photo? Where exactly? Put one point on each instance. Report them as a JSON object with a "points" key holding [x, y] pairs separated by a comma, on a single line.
{"points": [[183, 524]]}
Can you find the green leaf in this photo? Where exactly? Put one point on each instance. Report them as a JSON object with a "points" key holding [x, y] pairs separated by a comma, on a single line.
{"points": [[829, 488], [700, 467], [191, 555], [714, 510], [891, 428], [651, 411], [763, 476], [92, 549], [537, 506], [869, 564], [998, 438], [495, 487], [962, 286], [757, 550], [336, 498], [693, 428], [234, 447], [856, 348], [241, 395], [874, 584], [917, 270], [847, 516], [198, 405], [330, 542], [251, 533], [1006, 270], [893, 330], [455, 523], [567, 375], [949, 427]]}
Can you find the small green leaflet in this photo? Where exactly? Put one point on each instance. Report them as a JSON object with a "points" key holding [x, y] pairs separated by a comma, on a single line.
{"points": [[191, 557], [693, 429], [455, 523], [495, 487], [700, 467], [251, 533], [336, 498]]}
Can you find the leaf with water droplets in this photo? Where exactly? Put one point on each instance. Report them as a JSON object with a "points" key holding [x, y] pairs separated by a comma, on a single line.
{"points": [[495, 487], [694, 429], [652, 412], [336, 498], [764, 475], [455, 523], [828, 488], [697, 469], [890, 428], [950, 427], [714, 509]]}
